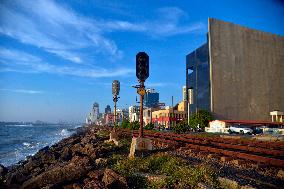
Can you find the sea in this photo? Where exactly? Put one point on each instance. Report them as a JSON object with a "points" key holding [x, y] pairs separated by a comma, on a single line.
{"points": [[17, 141]]}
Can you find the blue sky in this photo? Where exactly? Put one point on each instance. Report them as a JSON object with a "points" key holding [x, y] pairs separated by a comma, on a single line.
{"points": [[58, 57]]}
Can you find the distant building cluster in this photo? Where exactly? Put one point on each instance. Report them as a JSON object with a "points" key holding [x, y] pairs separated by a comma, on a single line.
{"points": [[153, 112], [93, 116]]}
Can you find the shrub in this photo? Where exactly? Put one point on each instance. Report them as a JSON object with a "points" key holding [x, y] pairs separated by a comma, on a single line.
{"points": [[149, 126], [202, 117], [181, 127], [134, 125], [125, 124]]}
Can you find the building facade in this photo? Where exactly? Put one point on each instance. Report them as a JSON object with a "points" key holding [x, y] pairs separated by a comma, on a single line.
{"points": [[107, 109], [109, 119], [151, 98], [93, 116], [168, 117], [238, 73], [121, 114], [134, 113], [147, 114], [184, 93]]}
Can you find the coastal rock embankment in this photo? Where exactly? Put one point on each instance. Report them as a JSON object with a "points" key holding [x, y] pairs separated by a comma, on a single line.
{"points": [[86, 161], [73, 162]]}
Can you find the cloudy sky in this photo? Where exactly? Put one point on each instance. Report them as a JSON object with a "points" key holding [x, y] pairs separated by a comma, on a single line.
{"points": [[58, 57]]}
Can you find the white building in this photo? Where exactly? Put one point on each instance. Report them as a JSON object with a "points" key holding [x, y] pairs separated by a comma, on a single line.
{"points": [[134, 113], [121, 114], [184, 97], [93, 116]]}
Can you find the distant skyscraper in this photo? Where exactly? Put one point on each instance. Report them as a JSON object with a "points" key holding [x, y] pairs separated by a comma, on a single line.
{"points": [[184, 97], [133, 113], [93, 116], [107, 109], [96, 110], [151, 98]]}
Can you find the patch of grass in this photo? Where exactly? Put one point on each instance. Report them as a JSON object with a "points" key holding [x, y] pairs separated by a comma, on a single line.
{"points": [[103, 133], [178, 172], [136, 181], [125, 144], [158, 184], [114, 159], [108, 145]]}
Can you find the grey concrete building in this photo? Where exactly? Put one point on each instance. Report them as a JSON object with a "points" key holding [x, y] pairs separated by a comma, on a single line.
{"points": [[238, 73]]}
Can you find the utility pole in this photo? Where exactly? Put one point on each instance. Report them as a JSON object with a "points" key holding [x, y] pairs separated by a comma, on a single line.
{"points": [[142, 88]]}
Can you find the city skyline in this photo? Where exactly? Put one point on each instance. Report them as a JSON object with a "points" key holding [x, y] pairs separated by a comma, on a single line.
{"points": [[58, 58]]}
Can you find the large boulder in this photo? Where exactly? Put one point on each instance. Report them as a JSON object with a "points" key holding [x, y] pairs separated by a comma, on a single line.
{"points": [[76, 149], [95, 184], [112, 180], [17, 176], [74, 170], [96, 174], [3, 170], [89, 150], [66, 154]]}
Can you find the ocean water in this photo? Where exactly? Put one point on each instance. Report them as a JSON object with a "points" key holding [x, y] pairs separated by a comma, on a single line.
{"points": [[19, 141]]}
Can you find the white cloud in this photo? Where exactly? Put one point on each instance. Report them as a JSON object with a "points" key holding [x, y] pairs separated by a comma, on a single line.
{"points": [[53, 28], [158, 84], [26, 63], [25, 91], [59, 30], [167, 23]]}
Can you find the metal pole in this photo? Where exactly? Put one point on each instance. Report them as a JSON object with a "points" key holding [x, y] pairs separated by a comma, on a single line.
{"points": [[188, 112], [196, 83], [141, 111], [172, 116], [115, 112]]}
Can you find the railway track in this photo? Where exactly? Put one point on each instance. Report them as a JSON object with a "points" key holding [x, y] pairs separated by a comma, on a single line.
{"points": [[268, 153]]}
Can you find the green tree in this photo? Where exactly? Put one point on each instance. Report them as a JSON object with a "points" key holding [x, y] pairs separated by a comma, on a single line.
{"points": [[149, 126], [180, 127], [125, 124], [134, 125], [201, 118]]}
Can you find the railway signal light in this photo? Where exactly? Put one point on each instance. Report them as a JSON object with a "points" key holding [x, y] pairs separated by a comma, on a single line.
{"points": [[142, 66], [115, 87]]}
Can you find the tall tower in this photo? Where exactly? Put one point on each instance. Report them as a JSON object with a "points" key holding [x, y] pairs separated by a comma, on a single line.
{"points": [[95, 112], [107, 109], [151, 98], [184, 96]]}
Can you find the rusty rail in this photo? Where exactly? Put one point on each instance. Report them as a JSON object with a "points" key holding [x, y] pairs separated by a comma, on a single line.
{"points": [[257, 151]]}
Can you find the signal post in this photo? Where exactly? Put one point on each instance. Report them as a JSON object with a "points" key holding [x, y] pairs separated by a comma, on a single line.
{"points": [[115, 91], [140, 144]]}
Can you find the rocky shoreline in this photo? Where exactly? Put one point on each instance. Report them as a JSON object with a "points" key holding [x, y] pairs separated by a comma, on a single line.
{"points": [[84, 161], [71, 163]]}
